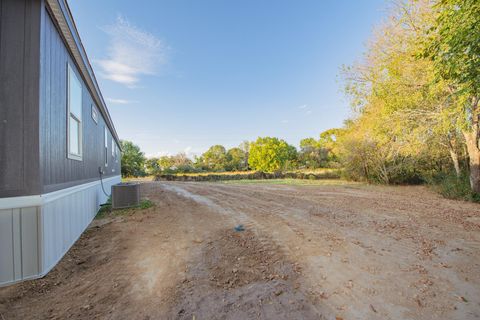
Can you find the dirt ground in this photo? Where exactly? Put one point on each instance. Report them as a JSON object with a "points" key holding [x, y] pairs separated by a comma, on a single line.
{"points": [[307, 252]]}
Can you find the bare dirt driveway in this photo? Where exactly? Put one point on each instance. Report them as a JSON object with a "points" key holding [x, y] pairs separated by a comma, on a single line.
{"points": [[307, 252]]}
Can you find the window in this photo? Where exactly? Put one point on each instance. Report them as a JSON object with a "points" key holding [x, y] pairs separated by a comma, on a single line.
{"points": [[113, 149], [94, 114], [114, 153], [106, 147], [74, 105]]}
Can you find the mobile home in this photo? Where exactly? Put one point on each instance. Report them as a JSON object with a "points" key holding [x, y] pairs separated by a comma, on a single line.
{"points": [[59, 151]]}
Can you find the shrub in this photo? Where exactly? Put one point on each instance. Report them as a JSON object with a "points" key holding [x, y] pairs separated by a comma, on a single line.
{"points": [[452, 187]]}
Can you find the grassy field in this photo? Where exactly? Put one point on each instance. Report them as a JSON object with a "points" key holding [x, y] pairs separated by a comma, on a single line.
{"points": [[306, 171], [295, 182]]}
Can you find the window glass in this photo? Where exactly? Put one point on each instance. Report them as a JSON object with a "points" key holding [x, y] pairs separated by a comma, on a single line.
{"points": [[75, 94], [106, 147], [74, 107], [74, 136]]}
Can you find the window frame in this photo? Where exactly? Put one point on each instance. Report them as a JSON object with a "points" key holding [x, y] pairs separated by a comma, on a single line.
{"points": [[72, 117]]}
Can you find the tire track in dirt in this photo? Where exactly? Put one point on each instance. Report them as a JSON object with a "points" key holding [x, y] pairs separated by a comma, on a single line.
{"points": [[286, 234], [294, 239], [356, 252], [265, 245], [354, 257]]}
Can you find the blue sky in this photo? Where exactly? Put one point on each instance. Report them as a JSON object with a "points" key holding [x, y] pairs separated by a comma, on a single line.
{"points": [[180, 76]]}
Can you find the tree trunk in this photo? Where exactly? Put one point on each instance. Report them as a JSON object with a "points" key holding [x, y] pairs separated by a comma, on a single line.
{"points": [[471, 139], [454, 156]]}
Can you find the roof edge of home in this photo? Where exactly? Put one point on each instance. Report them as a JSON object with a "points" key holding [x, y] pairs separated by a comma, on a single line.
{"points": [[63, 16]]}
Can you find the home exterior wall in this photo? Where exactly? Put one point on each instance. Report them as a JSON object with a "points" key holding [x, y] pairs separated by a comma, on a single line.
{"points": [[19, 94], [57, 170], [46, 199], [37, 232]]}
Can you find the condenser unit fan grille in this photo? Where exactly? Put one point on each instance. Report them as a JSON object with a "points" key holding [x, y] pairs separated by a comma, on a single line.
{"points": [[125, 195]]}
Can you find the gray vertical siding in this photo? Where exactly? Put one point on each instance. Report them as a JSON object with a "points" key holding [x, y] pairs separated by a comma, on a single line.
{"points": [[57, 170], [19, 244], [19, 95], [33, 107]]}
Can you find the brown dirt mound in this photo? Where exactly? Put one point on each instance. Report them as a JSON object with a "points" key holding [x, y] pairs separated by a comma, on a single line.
{"points": [[242, 276], [244, 260]]}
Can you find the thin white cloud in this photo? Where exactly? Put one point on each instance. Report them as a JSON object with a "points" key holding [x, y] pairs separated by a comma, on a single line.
{"points": [[121, 101], [305, 109], [191, 152], [158, 154], [132, 53], [284, 121]]}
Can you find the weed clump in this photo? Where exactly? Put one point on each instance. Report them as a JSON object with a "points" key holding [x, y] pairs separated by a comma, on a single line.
{"points": [[107, 210], [452, 187]]}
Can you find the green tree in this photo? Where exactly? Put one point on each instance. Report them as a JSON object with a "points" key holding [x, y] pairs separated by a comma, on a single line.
{"points": [[215, 158], [165, 163], [245, 147], [179, 163], [403, 121], [321, 153], [236, 158], [454, 47], [199, 164], [132, 159], [311, 154], [328, 142], [152, 166], [410, 108], [271, 154], [182, 163]]}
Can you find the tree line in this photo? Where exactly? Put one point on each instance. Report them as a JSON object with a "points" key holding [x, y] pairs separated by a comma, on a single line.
{"points": [[415, 109], [267, 154], [415, 97]]}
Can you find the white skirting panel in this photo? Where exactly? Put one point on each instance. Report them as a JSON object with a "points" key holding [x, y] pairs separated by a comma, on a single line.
{"points": [[19, 257], [64, 219], [33, 239]]}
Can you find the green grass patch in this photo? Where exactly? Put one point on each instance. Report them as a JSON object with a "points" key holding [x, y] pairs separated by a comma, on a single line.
{"points": [[107, 211], [145, 204], [294, 182], [452, 187]]}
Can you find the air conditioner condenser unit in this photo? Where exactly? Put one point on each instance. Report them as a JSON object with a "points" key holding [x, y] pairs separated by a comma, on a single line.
{"points": [[125, 195]]}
